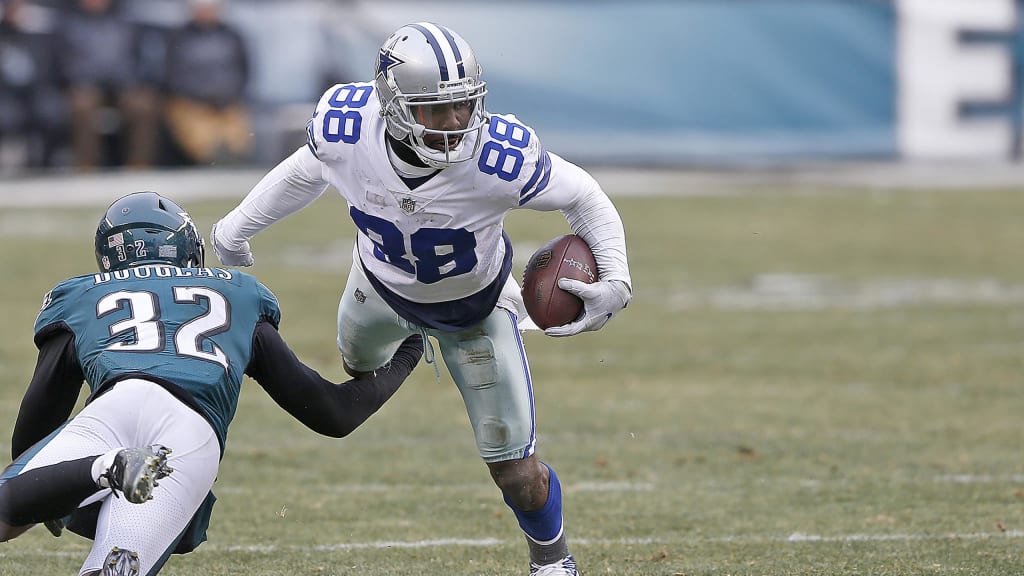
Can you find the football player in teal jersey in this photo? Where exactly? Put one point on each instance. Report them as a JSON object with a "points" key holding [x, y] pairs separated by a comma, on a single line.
{"points": [[163, 343]]}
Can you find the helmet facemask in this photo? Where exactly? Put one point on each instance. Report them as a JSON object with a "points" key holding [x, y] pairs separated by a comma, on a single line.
{"points": [[438, 115]]}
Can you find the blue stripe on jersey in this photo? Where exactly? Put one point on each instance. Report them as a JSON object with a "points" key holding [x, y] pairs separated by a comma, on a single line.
{"points": [[541, 172], [532, 447], [455, 49], [536, 175], [442, 64], [311, 139]]}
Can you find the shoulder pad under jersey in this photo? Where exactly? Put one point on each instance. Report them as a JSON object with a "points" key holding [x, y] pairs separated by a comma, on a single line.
{"points": [[339, 118], [512, 151]]}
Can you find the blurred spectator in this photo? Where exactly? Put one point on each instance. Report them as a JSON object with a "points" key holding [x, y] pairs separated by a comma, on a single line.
{"points": [[98, 58], [207, 73], [32, 111]]}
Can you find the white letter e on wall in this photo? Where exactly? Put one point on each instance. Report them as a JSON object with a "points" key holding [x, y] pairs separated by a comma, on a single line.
{"points": [[939, 73]]}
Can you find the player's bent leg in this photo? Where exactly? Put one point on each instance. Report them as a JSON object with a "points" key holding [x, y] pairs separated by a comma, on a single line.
{"points": [[489, 365], [369, 331], [152, 528], [523, 482], [8, 532], [40, 493], [51, 479], [533, 492]]}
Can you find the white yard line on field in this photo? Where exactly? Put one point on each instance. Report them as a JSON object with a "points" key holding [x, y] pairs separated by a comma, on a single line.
{"points": [[783, 291], [794, 538], [460, 488], [613, 486], [980, 478]]}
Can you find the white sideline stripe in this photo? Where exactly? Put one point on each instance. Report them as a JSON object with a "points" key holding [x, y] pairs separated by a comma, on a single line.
{"points": [[794, 538], [585, 486], [979, 478], [435, 543], [799, 537], [610, 487], [461, 488], [185, 185], [812, 292]]}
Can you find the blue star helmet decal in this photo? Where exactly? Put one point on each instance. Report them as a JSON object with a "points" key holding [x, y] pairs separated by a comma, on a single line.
{"points": [[386, 60]]}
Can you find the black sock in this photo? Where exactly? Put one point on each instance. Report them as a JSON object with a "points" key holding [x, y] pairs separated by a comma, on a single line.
{"points": [[542, 554], [46, 493]]}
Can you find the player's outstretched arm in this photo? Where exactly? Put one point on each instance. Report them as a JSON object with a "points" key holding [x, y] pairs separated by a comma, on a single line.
{"points": [[289, 187], [237, 255], [323, 406]]}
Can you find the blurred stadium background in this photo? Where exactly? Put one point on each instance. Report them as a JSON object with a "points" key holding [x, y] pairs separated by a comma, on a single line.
{"points": [[819, 373], [656, 83]]}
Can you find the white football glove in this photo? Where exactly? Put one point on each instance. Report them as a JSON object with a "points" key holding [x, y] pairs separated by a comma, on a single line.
{"points": [[242, 256], [601, 301]]}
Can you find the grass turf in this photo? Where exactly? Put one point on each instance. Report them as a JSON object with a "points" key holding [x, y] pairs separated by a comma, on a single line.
{"points": [[803, 384]]}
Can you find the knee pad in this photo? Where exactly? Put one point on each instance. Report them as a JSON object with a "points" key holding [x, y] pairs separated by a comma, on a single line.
{"points": [[121, 563], [476, 362]]}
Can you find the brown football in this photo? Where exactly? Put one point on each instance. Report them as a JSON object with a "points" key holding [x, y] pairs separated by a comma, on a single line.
{"points": [[567, 256]]}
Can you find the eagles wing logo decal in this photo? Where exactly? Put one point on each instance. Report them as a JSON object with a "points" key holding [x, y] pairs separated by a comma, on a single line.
{"points": [[48, 299], [186, 220]]}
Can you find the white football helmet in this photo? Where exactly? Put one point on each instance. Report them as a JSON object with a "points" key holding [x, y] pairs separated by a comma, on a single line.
{"points": [[422, 71]]}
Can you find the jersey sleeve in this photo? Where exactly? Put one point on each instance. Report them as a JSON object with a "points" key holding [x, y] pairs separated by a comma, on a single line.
{"points": [[550, 182], [512, 151], [52, 393], [52, 313], [539, 162], [315, 141], [270, 310]]}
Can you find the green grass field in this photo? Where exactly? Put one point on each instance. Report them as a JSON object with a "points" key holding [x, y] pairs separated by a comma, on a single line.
{"points": [[804, 384]]}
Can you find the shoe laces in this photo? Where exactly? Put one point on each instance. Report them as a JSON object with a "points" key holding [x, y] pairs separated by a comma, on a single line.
{"points": [[564, 567]]}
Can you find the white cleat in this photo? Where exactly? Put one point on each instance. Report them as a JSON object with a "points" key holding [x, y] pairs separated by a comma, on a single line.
{"points": [[564, 567]]}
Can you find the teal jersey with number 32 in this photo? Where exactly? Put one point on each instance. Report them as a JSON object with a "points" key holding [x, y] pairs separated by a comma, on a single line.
{"points": [[192, 327]]}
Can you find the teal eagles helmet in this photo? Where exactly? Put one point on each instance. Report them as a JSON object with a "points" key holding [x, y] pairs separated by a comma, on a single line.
{"points": [[146, 228]]}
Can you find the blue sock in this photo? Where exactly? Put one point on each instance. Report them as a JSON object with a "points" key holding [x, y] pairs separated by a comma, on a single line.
{"points": [[545, 524]]}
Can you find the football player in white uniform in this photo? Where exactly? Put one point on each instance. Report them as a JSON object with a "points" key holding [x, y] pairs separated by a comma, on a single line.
{"points": [[429, 175]]}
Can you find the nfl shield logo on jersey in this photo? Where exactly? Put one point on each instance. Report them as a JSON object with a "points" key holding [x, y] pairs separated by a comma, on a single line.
{"points": [[408, 205]]}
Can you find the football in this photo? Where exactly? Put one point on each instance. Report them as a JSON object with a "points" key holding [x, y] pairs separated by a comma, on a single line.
{"points": [[567, 256]]}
